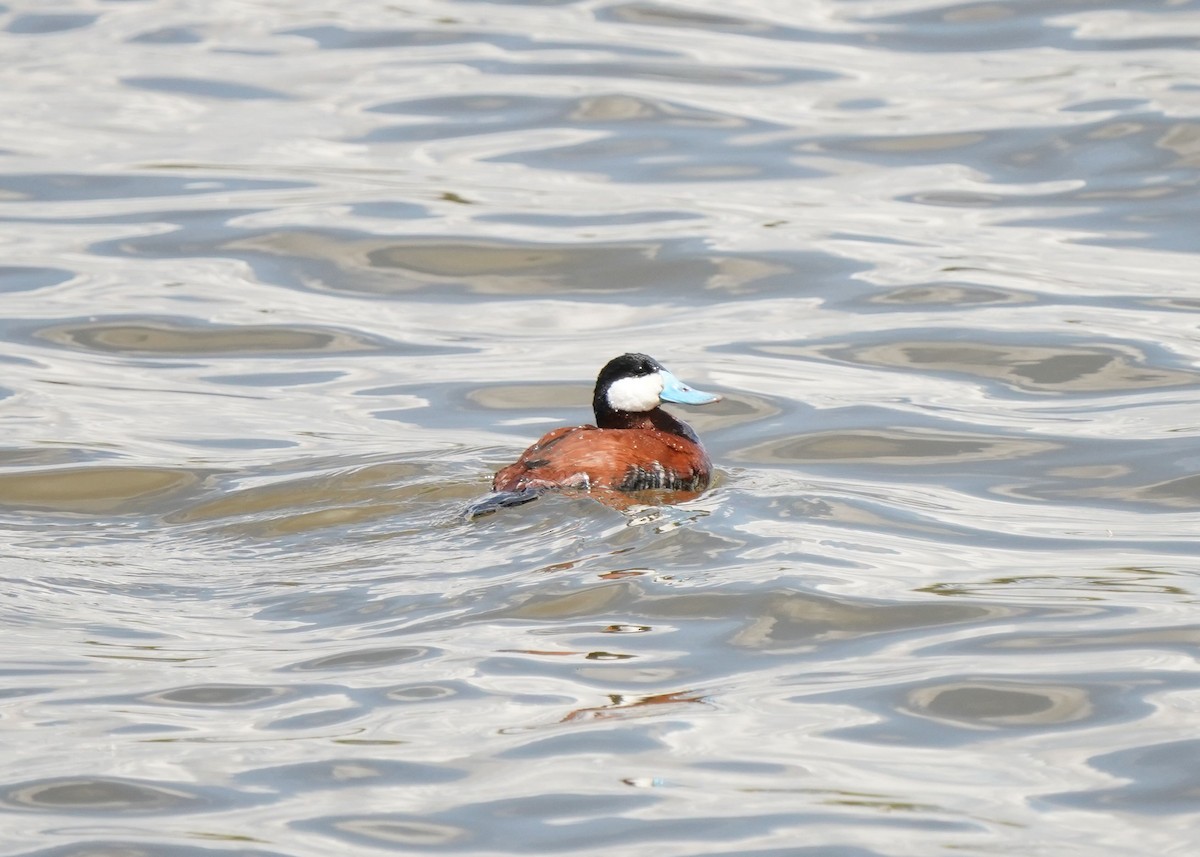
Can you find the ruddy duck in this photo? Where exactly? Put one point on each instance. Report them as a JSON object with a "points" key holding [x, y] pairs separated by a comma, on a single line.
{"points": [[634, 445]]}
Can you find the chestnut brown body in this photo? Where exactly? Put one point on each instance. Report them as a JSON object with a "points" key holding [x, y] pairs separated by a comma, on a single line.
{"points": [[621, 459]]}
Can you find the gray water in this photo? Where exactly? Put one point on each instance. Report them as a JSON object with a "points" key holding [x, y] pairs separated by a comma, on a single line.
{"points": [[282, 284]]}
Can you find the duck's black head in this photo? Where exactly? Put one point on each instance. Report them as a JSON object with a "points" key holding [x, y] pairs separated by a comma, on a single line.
{"points": [[637, 383]]}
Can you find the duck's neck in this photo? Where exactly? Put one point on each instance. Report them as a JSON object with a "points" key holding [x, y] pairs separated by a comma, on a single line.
{"points": [[655, 419]]}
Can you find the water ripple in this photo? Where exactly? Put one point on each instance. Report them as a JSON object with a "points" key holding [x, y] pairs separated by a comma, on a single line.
{"points": [[282, 289]]}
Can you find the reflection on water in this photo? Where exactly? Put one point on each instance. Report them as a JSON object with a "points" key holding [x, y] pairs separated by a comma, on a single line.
{"points": [[93, 490], [1031, 368], [283, 287], [102, 796], [896, 446], [172, 341]]}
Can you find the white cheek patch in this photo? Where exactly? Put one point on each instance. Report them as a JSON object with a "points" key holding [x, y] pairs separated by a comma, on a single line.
{"points": [[635, 395]]}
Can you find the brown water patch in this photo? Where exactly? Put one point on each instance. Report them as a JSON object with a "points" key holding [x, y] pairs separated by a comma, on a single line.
{"points": [[44, 456], [218, 696], [498, 268], [982, 12], [891, 446], [586, 602], [360, 484], [99, 489], [734, 409], [455, 260], [100, 795], [1033, 368], [404, 833], [990, 705], [1112, 584], [420, 693], [532, 396], [663, 15], [1184, 639], [1184, 304], [1090, 471], [395, 265], [87, 847], [788, 622], [1183, 139], [359, 659], [624, 107], [173, 339], [918, 143], [340, 772], [773, 621], [323, 500], [1181, 493], [958, 198], [951, 294]]}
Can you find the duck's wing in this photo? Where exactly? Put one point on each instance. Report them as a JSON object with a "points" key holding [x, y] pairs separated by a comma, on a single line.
{"points": [[535, 463]]}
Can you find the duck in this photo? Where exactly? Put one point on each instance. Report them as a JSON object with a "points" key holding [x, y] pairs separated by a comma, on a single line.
{"points": [[634, 445]]}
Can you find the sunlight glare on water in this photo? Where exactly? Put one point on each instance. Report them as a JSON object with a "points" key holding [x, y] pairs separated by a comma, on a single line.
{"points": [[284, 284]]}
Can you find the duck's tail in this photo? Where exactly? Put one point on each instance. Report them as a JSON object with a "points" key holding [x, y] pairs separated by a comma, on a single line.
{"points": [[498, 500]]}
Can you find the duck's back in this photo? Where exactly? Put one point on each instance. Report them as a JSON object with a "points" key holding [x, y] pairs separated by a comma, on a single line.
{"points": [[632, 459]]}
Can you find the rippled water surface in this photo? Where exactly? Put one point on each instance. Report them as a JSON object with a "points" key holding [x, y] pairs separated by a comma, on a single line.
{"points": [[284, 283]]}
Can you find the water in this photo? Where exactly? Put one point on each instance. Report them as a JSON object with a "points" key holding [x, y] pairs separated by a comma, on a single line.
{"points": [[283, 284]]}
